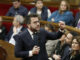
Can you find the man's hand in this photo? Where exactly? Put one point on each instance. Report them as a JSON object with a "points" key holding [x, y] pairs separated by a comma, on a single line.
{"points": [[35, 50], [57, 57], [62, 25], [14, 30]]}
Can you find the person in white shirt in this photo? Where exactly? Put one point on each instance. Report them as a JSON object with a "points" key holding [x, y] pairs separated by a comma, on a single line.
{"points": [[15, 29]]}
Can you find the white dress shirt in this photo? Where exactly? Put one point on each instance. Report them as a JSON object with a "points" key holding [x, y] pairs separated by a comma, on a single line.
{"points": [[12, 41], [31, 33]]}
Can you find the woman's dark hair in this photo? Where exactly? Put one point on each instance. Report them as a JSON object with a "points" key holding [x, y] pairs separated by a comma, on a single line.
{"points": [[77, 52], [77, 39]]}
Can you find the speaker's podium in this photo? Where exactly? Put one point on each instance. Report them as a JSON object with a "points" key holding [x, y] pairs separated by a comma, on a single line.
{"points": [[7, 51]]}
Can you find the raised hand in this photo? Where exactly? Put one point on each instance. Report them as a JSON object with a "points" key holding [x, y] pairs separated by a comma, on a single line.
{"points": [[62, 25]]}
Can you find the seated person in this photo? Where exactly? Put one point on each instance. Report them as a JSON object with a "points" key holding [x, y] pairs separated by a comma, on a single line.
{"points": [[74, 54], [17, 9], [2, 30], [15, 29], [77, 19], [62, 47], [63, 14], [50, 44], [41, 10]]}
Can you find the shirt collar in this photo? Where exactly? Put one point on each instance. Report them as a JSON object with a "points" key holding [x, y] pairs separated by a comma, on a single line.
{"points": [[19, 28], [31, 33]]}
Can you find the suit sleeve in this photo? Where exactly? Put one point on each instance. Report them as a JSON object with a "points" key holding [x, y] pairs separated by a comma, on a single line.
{"points": [[19, 52], [53, 36]]}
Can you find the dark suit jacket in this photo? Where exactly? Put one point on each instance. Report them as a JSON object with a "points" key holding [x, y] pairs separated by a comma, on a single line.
{"points": [[77, 17], [69, 56], [8, 36], [63, 50], [24, 44], [3, 33], [20, 11], [77, 57]]}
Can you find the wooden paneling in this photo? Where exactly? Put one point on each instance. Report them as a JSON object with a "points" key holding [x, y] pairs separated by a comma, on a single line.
{"points": [[46, 3], [10, 1], [70, 1], [70, 28]]}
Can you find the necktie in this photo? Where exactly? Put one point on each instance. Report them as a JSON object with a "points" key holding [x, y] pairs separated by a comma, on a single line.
{"points": [[36, 39]]}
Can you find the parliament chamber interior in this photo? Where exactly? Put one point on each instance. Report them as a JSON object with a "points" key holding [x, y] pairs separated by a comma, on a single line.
{"points": [[7, 50]]}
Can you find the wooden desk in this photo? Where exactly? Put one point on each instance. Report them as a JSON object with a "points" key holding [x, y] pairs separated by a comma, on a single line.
{"points": [[9, 48]]}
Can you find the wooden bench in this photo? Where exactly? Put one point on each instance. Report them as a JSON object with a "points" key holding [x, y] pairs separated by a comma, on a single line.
{"points": [[7, 51], [3, 53], [70, 28]]}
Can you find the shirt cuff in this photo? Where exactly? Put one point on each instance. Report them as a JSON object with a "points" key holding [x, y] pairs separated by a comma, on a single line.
{"points": [[50, 58], [30, 54]]}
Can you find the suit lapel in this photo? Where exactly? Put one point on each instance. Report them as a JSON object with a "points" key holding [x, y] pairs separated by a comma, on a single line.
{"points": [[30, 40], [28, 35]]}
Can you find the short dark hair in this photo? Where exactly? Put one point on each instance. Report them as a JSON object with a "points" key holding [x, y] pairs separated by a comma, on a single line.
{"points": [[38, 0], [15, 0], [28, 18]]}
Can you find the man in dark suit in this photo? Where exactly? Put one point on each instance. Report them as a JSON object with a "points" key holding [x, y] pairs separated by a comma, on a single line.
{"points": [[30, 44], [15, 29], [17, 9]]}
